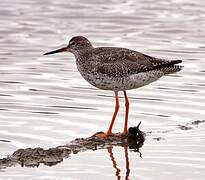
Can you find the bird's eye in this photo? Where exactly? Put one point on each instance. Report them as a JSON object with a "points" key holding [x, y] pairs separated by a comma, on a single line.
{"points": [[72, 43]]}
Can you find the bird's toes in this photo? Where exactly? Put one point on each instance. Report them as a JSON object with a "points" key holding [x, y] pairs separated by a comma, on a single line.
{"points": [[102, 135]]}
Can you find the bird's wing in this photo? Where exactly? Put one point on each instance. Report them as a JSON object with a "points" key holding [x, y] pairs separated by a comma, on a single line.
{"points": [[120, 62]]}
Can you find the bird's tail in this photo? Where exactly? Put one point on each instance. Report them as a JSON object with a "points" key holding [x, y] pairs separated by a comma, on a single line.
{"points": [[170, 67]]}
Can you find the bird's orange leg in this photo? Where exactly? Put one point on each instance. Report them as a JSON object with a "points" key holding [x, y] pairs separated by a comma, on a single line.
{"points": [[109, 132], [126, 112]]}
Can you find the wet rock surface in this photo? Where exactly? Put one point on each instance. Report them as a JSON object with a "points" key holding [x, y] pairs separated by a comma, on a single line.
{"points": [[191, 125], [33, 157]]}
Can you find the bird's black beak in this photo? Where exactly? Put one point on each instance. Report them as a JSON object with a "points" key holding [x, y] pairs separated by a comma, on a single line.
{"points": [[58, 51]]}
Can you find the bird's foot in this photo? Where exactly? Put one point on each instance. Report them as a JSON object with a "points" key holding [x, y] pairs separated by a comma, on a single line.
{"points": [[103, 135]]}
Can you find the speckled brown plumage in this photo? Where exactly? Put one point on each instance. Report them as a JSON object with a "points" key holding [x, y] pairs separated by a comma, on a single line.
{"points": [[117, 69]]}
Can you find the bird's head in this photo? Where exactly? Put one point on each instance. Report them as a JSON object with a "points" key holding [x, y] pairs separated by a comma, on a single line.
{"points": [[75, 46]]}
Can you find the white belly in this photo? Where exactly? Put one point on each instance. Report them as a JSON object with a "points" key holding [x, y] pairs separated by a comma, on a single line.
{"points": [[105, 82]]}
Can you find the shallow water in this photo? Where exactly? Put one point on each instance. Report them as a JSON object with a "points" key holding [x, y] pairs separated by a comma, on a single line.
{"points": [[45, 102]]}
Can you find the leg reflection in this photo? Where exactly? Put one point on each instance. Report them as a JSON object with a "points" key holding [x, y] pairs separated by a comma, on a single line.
{"points": [[127, 163], [114, 163], [117, 173]]}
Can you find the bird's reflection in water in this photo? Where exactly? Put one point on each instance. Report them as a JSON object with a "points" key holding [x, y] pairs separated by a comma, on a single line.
{"points": [[114, 162], [127, 163], [135, 141]]}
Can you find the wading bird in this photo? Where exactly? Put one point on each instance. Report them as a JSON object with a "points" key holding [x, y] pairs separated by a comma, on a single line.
{"points": [[117, 69]]}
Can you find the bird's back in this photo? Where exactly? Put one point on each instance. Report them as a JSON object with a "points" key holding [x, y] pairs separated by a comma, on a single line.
{"points": [[122, 62], [115, 68]]}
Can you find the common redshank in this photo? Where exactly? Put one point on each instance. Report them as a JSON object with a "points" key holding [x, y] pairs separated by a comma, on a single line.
{"points": [[117, 69]]}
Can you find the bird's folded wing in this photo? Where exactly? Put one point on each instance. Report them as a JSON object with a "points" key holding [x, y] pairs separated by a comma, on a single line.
{"points": [[124, 62], [121, 69]]}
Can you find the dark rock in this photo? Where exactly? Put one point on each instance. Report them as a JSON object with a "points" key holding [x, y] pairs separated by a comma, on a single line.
{"points": [[184, 127], [158, 138], [198, 122]]}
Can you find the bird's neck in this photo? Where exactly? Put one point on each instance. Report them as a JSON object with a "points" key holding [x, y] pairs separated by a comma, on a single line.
{"points": [[83, 55]]}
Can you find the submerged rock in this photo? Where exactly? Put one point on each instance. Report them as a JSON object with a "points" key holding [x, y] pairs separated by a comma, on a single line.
{"points": [[33, 157]]}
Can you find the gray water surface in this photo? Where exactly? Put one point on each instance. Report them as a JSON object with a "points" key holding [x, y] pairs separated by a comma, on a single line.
{"points": [[44, 102]]}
